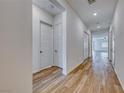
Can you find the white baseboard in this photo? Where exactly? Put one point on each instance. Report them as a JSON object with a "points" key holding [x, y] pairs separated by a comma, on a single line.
{"points": [[119, 78], [41, 69]]}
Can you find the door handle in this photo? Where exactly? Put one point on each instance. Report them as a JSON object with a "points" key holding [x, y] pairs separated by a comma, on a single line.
{"points": [[56, 51], [41, 51]]}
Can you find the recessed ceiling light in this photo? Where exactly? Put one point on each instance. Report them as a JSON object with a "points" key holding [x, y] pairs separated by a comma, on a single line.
{"points": [[98, 27], [95, 14], [91, 1]]}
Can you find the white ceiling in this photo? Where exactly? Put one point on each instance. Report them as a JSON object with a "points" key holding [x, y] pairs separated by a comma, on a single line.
{"points": [[51, 6], [104, 8]]}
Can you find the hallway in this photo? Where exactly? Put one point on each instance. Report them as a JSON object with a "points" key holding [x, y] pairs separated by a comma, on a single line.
{"points": [[95, 76], [46, 46]]}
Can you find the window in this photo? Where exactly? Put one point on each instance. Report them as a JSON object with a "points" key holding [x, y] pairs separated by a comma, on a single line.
{"points": [[104, 45]]}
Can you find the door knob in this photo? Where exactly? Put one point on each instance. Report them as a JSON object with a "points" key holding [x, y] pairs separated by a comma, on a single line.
{"points": [[41, 51], [56, 51]]}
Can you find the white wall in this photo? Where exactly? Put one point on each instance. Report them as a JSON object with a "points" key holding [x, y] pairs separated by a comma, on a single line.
{"points": [[75, 29], [38, 15], [15, 46], [118, 27], [74, 37]]}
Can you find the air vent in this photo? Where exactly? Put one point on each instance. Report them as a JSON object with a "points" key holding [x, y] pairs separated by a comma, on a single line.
{"points": [[91, 1], [56, 4]]}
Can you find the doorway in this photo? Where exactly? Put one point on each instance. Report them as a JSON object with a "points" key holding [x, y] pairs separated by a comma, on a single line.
{"points": [[58, 45], [86, 45], [100, 46], [48, 34]]}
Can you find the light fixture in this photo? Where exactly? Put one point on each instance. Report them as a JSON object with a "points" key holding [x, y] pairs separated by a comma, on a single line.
{"points": [[98, 27], [95, 14], [91, 1]]}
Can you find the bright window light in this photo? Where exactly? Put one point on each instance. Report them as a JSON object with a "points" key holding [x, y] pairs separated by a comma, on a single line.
{"points": [[95, 14]]}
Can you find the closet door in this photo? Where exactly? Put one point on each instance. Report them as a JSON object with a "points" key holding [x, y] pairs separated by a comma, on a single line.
{"points": [[86, 45], [58, 45], [46, 45]]}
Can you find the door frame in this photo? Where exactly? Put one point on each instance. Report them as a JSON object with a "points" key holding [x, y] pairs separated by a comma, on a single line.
{"points": [[88, 42], [107, 44], [54, 44], [112, 46]]}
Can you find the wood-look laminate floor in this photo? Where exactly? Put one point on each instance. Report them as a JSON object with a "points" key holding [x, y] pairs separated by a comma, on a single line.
{"points": [[91, 77]]}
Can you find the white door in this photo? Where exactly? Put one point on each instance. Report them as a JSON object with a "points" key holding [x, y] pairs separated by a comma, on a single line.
{"points": [[112, 47], [58, 45], [86, 45], [46, 45]]}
